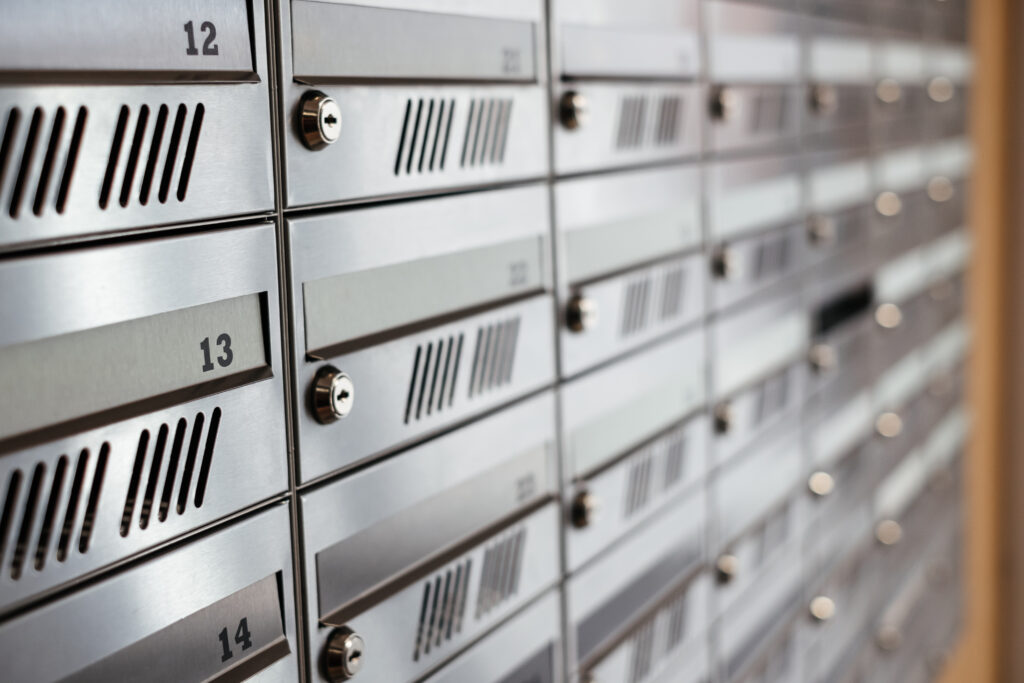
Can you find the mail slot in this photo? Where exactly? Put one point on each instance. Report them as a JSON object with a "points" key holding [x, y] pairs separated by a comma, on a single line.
{"points": [[756, 100], [526, 649], [755, 224], [417, 316], [758, 371], [220, 608], [472, 529], [626, 75], [652, 571], [137, 405], [385, 100], [839, 65], [160, 117], [633, 271]]}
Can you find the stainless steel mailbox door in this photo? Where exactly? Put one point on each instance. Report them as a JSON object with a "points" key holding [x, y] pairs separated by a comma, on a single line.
{"points": [[430, 96], [219, 608], [131, 121], [628, 249], [137, 405], [437, 310], [424, 551]]}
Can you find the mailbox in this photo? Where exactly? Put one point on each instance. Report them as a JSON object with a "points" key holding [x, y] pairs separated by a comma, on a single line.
{"points": [[948, 69], [947, 166], [137, 405], [756, 98], [115, 116], [219, 608], [625, 90], [413, 317], [630, 267], [899, 74], [758, 371], [380, 99], [839, 71], [421, 554], [756, 226], [643, 603], [839, 192]]}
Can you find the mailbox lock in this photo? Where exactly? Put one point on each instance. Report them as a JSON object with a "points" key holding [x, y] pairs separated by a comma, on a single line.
{"points": [[726, 567], [319, 120], [573, 110], [889, 638], [888, 532], [888, 204], [821, 483], [889, 425], [821, 229], [940, 89], [888, 315], [889, 91], [823, 608], [333, 394], [724, 103], [581, 313], [824, 99], [940, 189], [584, 509], [723, 417], [725, 264], [345, 654], [823, 357]]}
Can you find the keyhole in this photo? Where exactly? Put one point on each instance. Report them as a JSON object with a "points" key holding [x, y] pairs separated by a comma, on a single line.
{"points": [[342, 395], [353, 658], [331, 120]]}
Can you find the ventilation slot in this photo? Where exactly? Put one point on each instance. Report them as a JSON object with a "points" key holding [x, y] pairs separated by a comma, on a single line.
{"points": [[772, 256], [499, 578], [486, 132], [638, 485], [39, 159], [632, 122], [675, 454], [144, 154], [669, 119], [642, 653], [769, 112], [672, 292], [423, 145], [635, 304], [772, 397], [443, 608], [676, 622], [54, 501], [494, 356], [160, 481], [434, 373]]}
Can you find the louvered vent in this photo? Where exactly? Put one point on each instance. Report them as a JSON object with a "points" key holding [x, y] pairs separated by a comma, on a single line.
{"points": [[443, 608], [494, 356], [772, 397], [499, 577], [40, 513], [635, 305], [647, 121], [773, 256], [769, 115], [38, 154], [672, 292], [435, 369], [675, 454], [486, 132], [638, 484], [158, 462], [144, 153], [423, 145], [655, 638]]}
